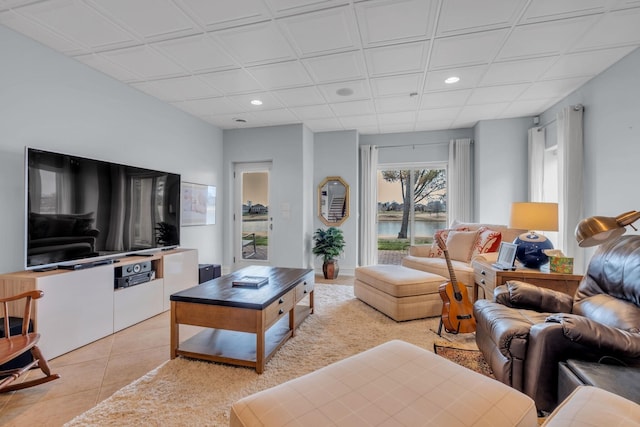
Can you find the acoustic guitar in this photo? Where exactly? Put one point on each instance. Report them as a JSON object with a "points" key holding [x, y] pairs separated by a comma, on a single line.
{"points": [[457, 309]]}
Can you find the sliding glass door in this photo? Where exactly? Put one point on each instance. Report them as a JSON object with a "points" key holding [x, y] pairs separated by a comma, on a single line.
{"points": [[411, 206]]}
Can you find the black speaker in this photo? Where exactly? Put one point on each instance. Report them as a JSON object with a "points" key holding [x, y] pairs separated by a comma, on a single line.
{"points": [[131, 269], [208, 272]]}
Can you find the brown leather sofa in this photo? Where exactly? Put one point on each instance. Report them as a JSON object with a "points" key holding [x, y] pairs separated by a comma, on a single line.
{"points": [[528, 330]]}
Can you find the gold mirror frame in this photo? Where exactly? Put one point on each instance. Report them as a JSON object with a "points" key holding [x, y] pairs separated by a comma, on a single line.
{"points": [[333, 201]]}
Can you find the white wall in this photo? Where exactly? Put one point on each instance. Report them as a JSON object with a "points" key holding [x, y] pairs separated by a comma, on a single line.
{"points": [[55, 103], [284, 146], [336, 154]]}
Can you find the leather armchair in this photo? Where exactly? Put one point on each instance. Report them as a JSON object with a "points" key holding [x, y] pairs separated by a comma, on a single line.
{"points": [[528, 330]]}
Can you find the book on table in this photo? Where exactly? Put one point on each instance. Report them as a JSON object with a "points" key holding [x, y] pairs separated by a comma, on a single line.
{"points": [[251, 281]]}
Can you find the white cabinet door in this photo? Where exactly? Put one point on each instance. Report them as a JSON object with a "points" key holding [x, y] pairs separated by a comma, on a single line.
{"points": [[180, 272], [137, 303], [77, 309]]}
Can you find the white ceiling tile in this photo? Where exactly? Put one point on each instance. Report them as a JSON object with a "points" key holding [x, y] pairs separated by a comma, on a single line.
{"points": [[543, 10], [396, 104], [553, 88], [495, 94], [232, 81], [102, 64], [359, 87], [144, 61], [453, 98], [352, 122], [433, 125], [281, 116], [394, 118], [368, 130], [526, 70], [309, 95], [528, 108], [469, 77], [219, 14], [77, 21], [209, 106], [544, 39], [586, 63], [438, 114], [178, 89], [287, 7], [281, 75], [255, 44], [353, 108], [196, 53], [312, 111], [395, 21], [230, 121], [625, 4], [466, 16], [41, 33], [468, 49], [269, 101], [331, 68], [400, 59], [168, 20], [481, 112], [322, 125], [396, 85], [392, 127], [322, 32], [614, 29]]}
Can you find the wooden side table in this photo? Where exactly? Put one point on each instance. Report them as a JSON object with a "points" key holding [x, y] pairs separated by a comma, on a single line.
{"points": [[487, 277]]}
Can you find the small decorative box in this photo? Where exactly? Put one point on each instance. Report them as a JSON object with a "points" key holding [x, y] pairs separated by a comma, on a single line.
{"points": [[558, 264]]}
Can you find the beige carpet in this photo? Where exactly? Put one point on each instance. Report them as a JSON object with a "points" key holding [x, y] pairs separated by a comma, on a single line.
{"points": [[184, 392]]}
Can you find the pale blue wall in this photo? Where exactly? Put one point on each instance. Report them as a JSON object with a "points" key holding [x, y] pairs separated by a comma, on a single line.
{"points": [[53, 102]]}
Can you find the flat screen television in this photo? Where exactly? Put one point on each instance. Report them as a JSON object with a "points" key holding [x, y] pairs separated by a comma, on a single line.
{"points": [[79, 208]]}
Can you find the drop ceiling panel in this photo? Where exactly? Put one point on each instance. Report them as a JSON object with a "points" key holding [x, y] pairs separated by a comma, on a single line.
{"points": [[196, 53], [586, 63], [400, 59], [323, 125], [360, 91], [496, 94], [486, 111], [331, 68], [255, 44], [178, 89], [322, 32], [438, 114], [396, 104], [287, 7], [79, 22], [107, 67], [394, 21], [352, 122], [433, 125], [42, 34], [470, 49], [528, 108], [312, 111], [353, 108], [209, 106], [469, 77], [220, 14], [543, 10], [144, 61], [544, 39], [309, 95], [396, 85], [553, 88], [615, 29], [526, 70], [167, 19], [281, 75], [232, 81], [453, 98], [281, 116], [269, 101], [466, 16]]}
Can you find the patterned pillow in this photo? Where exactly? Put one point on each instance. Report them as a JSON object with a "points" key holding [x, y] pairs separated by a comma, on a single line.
{"points": [[436, 252], [461, 244], [488, 241]]}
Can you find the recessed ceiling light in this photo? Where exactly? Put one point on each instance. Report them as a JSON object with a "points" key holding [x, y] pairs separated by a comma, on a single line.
{"points": [[345, 91], [256, 102], [452, 80]]}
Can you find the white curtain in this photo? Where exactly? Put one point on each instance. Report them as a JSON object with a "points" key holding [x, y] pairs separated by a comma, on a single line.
{"points": [[460, 181], [536, 164], [368, 205], [570, 183]]}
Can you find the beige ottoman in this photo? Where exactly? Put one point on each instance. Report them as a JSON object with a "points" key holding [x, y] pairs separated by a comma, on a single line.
{"points": [[393, 384], [401, 293]]}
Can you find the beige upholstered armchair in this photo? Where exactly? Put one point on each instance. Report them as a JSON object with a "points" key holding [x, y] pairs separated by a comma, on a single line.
{"points": [[465, 242]]}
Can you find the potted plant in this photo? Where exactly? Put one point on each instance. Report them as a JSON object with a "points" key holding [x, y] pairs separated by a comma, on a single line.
{"points": [[329, 244]]}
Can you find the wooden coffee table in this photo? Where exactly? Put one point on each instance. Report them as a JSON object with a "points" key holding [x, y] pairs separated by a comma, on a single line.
{"points": [[246, 326]]}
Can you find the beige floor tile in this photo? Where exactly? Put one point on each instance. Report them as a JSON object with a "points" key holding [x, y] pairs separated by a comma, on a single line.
{"points": [[144, 339], [125, 368], [95, 350]]}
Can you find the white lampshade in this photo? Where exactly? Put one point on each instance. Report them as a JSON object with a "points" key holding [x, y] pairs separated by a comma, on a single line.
{"points": [[534, 216]]}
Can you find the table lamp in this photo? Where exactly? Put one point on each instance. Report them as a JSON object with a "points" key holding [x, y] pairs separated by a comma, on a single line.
{"points": [[533, 216], [596, 230]]}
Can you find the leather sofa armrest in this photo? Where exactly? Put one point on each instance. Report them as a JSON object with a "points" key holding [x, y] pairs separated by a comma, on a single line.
{"points": [[420, 250], [519, 294], [597, 336]]}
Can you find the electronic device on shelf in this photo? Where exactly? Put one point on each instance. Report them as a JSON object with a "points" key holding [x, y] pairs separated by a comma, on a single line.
{"points": [[81, 209]]}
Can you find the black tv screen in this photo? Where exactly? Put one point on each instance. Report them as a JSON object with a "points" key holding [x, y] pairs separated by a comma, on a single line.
{"points": [[79, 208]]}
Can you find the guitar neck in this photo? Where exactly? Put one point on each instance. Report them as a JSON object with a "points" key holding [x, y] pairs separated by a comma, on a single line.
{"points": [[452, 274]]}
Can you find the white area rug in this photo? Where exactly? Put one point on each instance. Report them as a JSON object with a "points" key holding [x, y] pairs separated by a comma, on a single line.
{"points": [[185, 392]]}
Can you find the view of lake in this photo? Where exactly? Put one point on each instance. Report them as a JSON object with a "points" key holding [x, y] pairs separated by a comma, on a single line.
{"points": [[422, 228]]}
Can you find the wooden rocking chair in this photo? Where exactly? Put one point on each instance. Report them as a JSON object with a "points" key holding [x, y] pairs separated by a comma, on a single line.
{"points": [[12, 347]]}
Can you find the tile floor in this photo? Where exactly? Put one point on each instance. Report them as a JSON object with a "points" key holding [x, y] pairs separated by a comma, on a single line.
{"points": [[92, 373]]}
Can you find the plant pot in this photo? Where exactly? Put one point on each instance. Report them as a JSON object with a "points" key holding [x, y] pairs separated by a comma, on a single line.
{"points": [[330, 269]]}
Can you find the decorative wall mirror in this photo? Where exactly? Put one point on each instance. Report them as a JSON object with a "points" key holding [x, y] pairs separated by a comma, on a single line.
{"points": [[333, 201]]}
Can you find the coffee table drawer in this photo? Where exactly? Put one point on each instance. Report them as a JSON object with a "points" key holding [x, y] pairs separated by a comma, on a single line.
{"points": [[303, 288], [279, 308]]}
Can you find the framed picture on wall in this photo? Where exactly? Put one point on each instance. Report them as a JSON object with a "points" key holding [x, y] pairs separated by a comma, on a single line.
{"points": [[198, 204]]}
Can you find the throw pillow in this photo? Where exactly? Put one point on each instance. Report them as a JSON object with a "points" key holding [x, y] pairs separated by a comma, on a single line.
{"points": [[488, 241], [436, 252], [460, 244]]}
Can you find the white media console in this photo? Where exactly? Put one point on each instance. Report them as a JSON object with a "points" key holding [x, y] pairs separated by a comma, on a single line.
{"points": [[82, 306]]}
